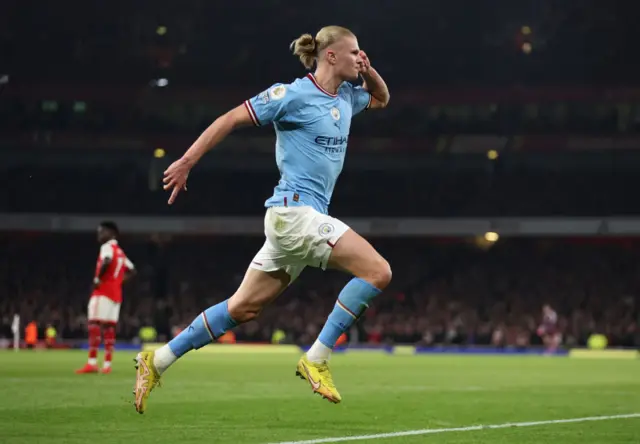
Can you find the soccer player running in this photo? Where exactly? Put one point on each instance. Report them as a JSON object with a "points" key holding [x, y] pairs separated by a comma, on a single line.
{"points": [[112, 269], [311, 117]]}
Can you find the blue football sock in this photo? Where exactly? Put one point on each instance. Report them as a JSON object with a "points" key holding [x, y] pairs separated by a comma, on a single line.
{"points": [[352, 302], [209, 325]]}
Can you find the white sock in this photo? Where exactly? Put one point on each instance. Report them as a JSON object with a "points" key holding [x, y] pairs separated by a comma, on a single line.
{"points": [[93, 361], [318, 352], [106, 364], [163, 358]]}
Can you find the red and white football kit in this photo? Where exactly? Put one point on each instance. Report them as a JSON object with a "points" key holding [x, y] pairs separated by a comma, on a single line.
{"points": [[104, 305], [106, 298]]}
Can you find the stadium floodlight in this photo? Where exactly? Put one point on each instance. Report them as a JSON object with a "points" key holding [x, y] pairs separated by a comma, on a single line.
{"points": [[491, 236]]}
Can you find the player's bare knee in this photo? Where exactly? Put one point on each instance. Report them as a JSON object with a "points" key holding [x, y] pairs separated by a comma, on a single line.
{"points": [[379, 274]]}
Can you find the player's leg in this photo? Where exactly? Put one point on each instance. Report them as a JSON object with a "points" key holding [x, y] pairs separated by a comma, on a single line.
{"points": [[257, 289], [94, 331], [112, 314], [109, 335], [551, 342], [91, 366], [335, 245], [372, 273]]}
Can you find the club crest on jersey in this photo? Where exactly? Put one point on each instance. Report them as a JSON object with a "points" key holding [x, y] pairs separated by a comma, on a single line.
{"points": [[325, 229], [278, 92], [335, 113]]}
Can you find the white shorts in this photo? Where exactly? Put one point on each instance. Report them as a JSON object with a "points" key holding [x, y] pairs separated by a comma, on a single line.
{"points": [[103, 309], [297, 237]]}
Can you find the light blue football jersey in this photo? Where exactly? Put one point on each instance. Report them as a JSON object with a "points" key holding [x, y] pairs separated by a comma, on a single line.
{"points": [[312, 130]]}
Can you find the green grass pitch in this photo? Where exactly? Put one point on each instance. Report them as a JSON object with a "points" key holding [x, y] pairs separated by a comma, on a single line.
{"points": [[239, 398]]}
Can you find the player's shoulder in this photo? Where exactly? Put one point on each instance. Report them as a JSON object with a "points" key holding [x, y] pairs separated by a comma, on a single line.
{"points": [[284, 91], [294, 96], [302, 87], [121, 251], [346, 89], [115, 246]]}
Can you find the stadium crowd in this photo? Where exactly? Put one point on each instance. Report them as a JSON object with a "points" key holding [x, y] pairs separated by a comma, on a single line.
{"points": [[444, 292], [471, 45], [476, 50], [502, 111], [448, 192]]}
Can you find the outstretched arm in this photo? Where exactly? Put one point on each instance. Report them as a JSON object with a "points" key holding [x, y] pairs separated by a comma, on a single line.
{"points": [[175, 177], [374, 83], [216, 132]]}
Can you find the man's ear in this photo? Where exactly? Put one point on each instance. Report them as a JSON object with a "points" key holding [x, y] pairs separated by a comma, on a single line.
{"points": [[331, 56]]}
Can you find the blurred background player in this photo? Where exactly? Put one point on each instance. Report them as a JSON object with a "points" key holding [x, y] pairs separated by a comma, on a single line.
{"points": [[112, 269], [50, 335], [312, 117], [548, 329], [31, 335]]}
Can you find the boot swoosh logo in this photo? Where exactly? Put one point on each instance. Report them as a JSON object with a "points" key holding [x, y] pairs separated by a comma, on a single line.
{"points": [[314, 385], [141, 380]]}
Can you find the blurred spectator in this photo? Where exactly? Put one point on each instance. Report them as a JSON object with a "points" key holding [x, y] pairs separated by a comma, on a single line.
{"points": [[512, 191], [443, 293]]}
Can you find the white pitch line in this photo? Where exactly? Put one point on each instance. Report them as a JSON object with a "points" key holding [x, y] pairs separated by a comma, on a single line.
{"points": [[462, 429]]}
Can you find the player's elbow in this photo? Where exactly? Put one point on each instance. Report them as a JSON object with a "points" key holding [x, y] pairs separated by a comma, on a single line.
{"points": [[380, 101], [386, 100]]}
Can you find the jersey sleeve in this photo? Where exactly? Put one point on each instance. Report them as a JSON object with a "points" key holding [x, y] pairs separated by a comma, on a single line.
{"points": [[128, 264], [360, 98], [106, 251], [271, 105]]}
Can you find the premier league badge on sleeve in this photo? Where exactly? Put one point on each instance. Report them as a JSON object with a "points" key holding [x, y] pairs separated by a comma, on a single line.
{"points": [[278, 92]]}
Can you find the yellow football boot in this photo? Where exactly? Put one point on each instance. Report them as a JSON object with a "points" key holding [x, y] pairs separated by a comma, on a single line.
{"points": [[147, 378], [320, 379]]}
